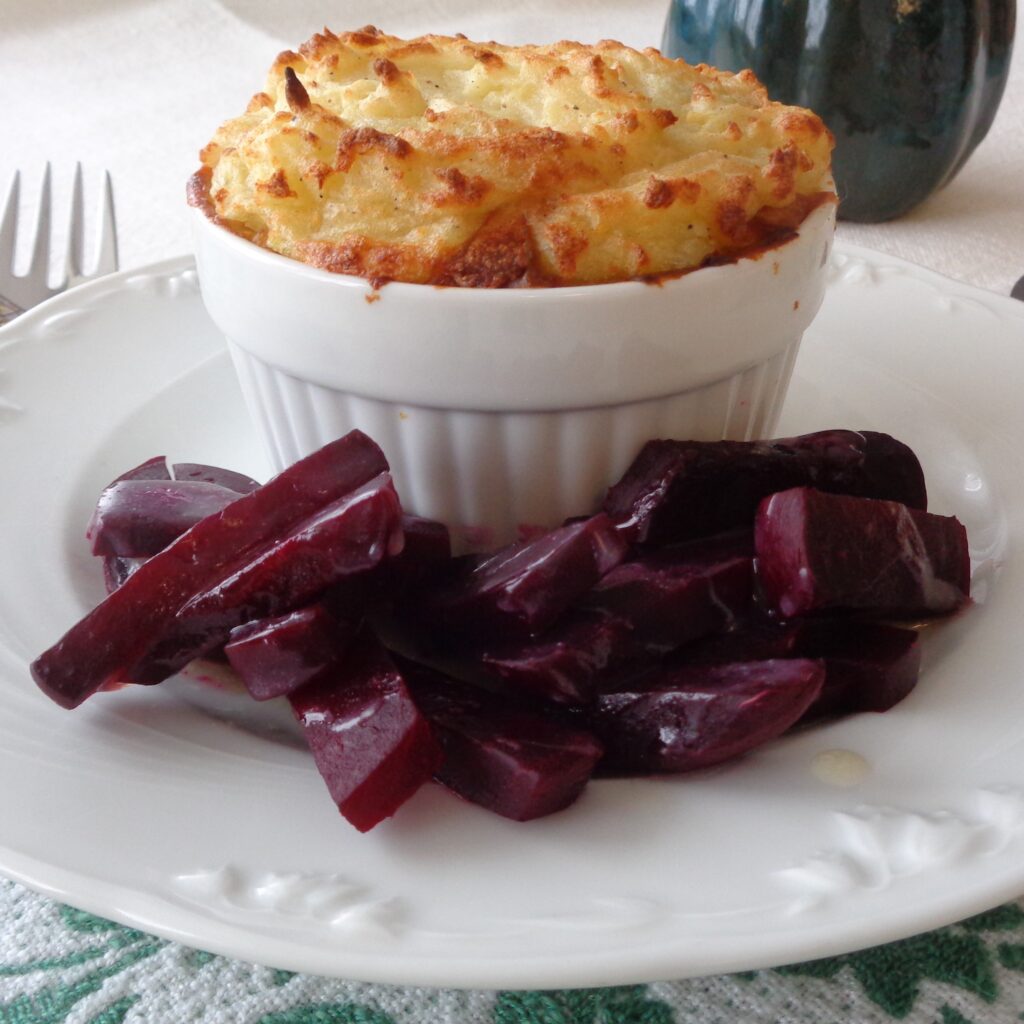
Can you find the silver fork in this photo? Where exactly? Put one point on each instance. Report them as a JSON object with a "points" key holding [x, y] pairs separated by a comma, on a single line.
{"points": [[19, 292]]}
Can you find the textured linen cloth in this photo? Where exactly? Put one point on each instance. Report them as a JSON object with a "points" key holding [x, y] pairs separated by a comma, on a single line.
{"points": [[136, 87]]}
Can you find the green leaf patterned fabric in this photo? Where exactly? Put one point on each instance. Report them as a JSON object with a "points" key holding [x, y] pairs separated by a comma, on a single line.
{"points": [[59, 965]]}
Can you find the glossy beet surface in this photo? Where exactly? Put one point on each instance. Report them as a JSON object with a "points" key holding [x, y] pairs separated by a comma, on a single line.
{"points": [[275, 656], [679, 490], [349, 536], [523, 588], [138, 518], [426, 546], [519, 763], [695, 716], [677, 594], [820, 551], [104, 647], [143, 510], [344, 540], [869, 666], [371, 744], [564, 664]]}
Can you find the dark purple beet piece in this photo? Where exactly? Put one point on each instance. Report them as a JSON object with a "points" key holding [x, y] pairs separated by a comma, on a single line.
{"points": [[346, 539], [820, 551], [104, 646], [237, 482], [758, 638], [675, 595], [516, 762], [636, 611], [427, 546], [152, 469], [891, 472], [523, 588], [562, 664], [678, 490], [275, 656], [696, 716], [868, 666], [137, 518], [371, 744]]}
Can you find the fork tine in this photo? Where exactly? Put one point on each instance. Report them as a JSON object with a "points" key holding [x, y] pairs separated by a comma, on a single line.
{"points": [[38, 269], [106, 259], [9, 224], [76, 228]]}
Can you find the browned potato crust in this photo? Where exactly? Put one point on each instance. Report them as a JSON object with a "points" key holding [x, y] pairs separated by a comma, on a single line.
{"points": [[452, 162]]}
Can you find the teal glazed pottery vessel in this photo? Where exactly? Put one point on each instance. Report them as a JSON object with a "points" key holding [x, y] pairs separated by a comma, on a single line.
{"points": [[908, 87]]}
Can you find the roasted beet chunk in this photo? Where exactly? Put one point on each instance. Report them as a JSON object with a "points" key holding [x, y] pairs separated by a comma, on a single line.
{"points": [[824, 551], [678, 490], [563, 664], [143, 510], [523, 588], [275, 656], [349, 536], [104, 647], [516, 762], [677, 594], [371, 744], [426, 547], [346, 539], [697, 716], [868, 666], [138, 518]]}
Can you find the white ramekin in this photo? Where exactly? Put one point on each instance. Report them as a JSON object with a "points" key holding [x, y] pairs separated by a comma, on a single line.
{"points": [[501, 410]]}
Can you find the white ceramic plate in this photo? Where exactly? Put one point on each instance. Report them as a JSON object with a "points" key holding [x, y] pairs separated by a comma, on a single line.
{"points": [[150, 809]]}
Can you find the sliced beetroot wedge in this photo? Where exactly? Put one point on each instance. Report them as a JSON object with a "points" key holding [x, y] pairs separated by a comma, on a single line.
{"points": [[758, 638], [137, 518], [427, 546], [344, 540], [868, 666], [514, 761], [523, 588], [693, 717], [678, 490], [275, 656], [371, 744], [104, 646], [819, 551], [238, 482], [563, 664], [675, 595]]}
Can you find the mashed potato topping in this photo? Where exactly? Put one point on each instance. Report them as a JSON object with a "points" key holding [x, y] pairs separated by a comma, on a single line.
{"points": [[452, 162]]}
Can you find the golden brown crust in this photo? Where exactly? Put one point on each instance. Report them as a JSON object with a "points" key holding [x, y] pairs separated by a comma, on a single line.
{"points": [[449, 161]]}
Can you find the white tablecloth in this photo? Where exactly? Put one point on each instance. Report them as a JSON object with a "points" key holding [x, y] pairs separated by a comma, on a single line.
{"points": [[138, 86]]}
